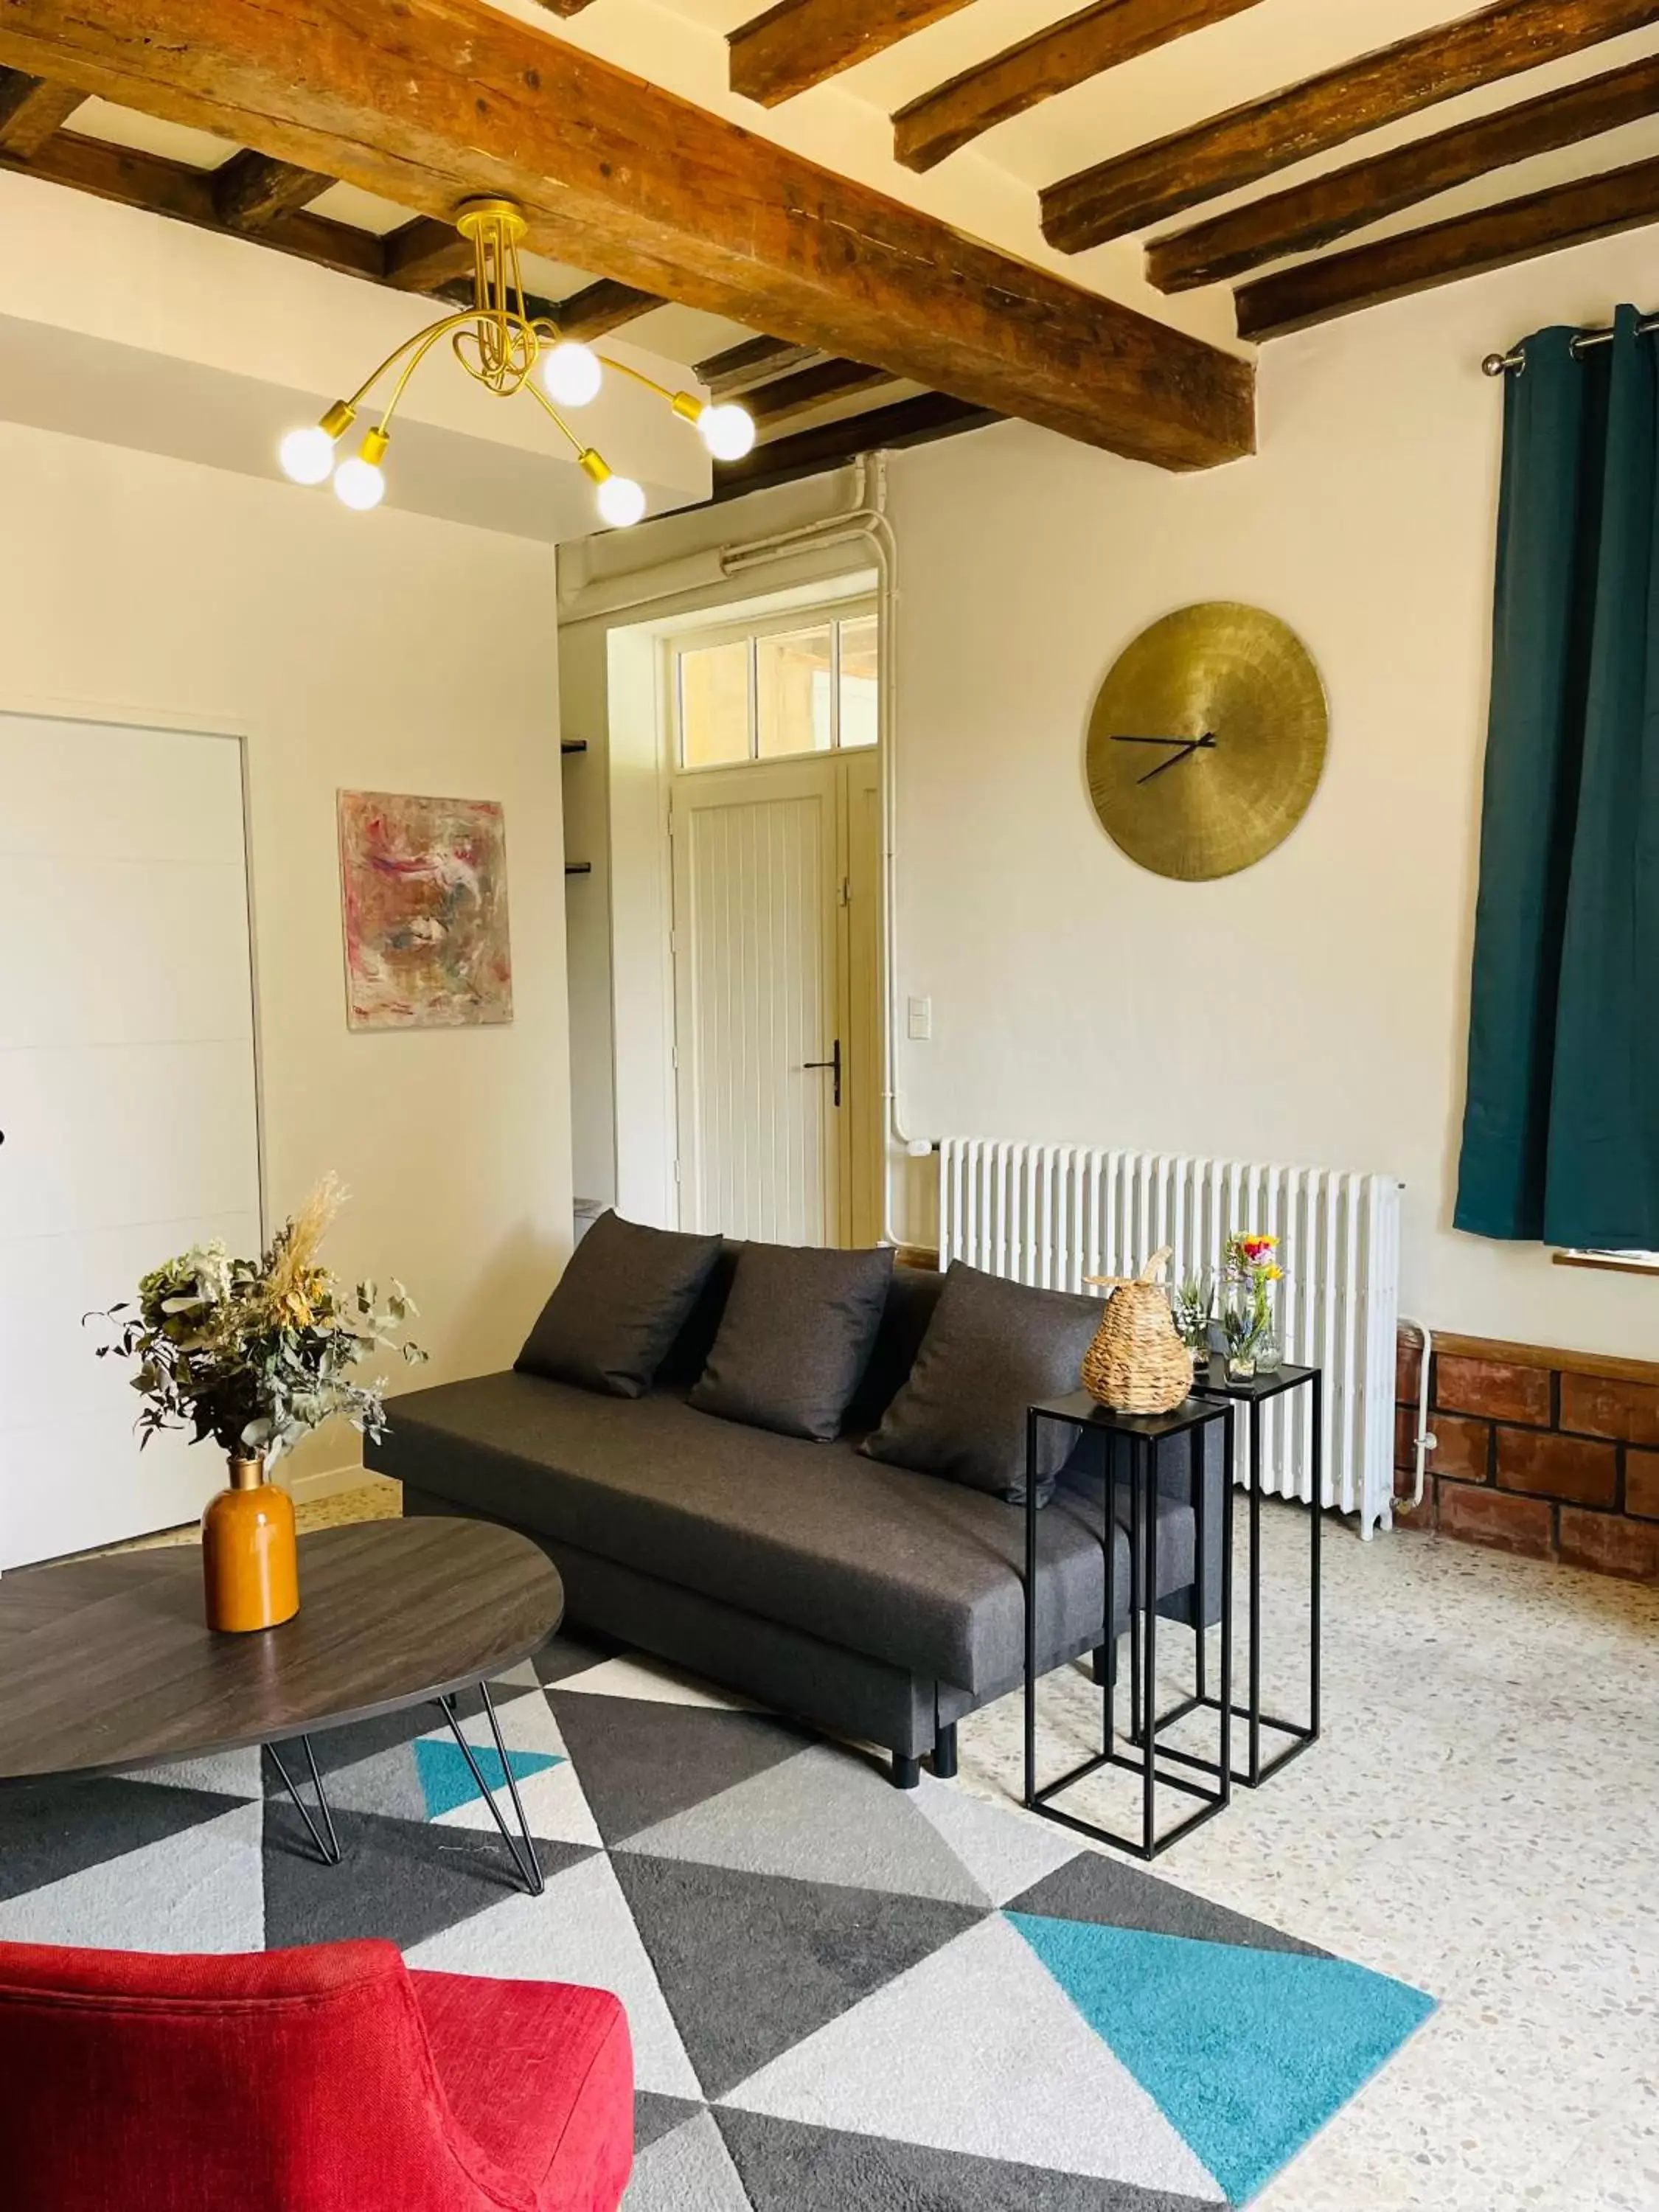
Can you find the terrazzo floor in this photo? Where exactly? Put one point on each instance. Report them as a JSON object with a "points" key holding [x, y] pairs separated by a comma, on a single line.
{"points": [[1480, 1819]]}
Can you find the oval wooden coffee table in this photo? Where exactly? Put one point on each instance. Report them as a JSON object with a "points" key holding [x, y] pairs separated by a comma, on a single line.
{"points": [[107, 1662]]}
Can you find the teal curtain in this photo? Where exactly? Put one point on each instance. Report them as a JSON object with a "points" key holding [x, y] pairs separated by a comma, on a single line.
{"points": [[1561, 1123]]}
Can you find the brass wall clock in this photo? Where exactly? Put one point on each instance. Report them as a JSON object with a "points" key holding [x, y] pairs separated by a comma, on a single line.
{"points": [[1207, 741]]}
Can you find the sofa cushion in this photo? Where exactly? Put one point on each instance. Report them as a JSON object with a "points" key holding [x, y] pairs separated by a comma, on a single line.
{"points": [[925, 1575], [794, 1339], [992, 1349], [619, 1305]]}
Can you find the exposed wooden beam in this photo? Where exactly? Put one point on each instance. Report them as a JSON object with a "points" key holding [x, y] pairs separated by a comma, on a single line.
{"points": [[740, 368], [424, 255], [175, 189], [601, 307], [1051, 61], [1345, 200], [812, 387], [1133, 190], [31, 109], [434, 99], [915, 422], [800, 42], [251, 189], [1468, 246]]}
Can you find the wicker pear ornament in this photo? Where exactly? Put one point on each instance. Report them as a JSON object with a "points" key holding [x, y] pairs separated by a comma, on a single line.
{"points": [[1137, 1363]]}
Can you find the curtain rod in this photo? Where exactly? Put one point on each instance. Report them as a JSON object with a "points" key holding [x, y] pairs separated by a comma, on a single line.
{"points": [[1500, 364]]}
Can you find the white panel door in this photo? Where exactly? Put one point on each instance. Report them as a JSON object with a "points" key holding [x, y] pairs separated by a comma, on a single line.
{"points": [[127, 1100], [756, 893]]}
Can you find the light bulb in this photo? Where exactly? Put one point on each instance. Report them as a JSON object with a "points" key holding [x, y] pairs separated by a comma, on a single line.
{"points": [[359, 484], [306, 456], [727, 431], [571, 373], [620, 501]]}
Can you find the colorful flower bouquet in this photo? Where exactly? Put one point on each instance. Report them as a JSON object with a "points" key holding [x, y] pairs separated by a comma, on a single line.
{"points": [[1249, 1271]]}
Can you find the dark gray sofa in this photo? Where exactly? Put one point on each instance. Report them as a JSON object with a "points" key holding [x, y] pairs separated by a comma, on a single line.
{"points": [[871, 1601]]}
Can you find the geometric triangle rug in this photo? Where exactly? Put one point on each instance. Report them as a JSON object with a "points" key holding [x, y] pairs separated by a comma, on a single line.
{"points": [[842, 1997]]}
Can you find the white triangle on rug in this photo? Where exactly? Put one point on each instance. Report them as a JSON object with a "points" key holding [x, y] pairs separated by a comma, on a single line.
{"points": [[200, 1890], [972, 2051], [579, 1931], [826, 1815], [635, 1675], [1006, 1852], [688, 2170], [231, 1773], [555, 1803], [521, 1677]]}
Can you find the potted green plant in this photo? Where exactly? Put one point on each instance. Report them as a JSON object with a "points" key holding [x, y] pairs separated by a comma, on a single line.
{"points": [[1195, 1308], [255, 1354]]}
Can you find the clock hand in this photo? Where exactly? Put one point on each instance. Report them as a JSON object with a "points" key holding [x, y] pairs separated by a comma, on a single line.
{"points": [[1206, 744], [1151, 741]]}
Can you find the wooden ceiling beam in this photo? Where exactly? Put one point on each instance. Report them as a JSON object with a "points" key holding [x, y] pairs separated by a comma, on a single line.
{"points": [[740, 368], [825, 381], [1067, 53], [251, 190], [424, 254], [1445, 252], [32, 108], [800, 43], [603, 306], [175, 189], [433, 100], [1329, 207], [1155, 181], [916, 421]]}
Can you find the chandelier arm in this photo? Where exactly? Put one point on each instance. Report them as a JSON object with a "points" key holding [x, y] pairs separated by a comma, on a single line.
{"points": [[623, 368], [420, 338], [423, 344], [543, 402]]}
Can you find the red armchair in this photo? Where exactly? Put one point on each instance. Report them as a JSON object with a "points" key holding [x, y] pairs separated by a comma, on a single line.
{"points": [[328, 2079]]}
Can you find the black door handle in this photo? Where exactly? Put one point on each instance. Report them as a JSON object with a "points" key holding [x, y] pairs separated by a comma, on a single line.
{"points": [[833, 1061]]}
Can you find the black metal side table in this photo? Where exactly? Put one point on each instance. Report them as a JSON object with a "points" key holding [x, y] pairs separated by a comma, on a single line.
{"points": [[1254, 1393], [1147, 1758]]}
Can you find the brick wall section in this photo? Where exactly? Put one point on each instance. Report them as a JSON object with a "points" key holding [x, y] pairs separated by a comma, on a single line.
{"points": [[1551, 1454]]}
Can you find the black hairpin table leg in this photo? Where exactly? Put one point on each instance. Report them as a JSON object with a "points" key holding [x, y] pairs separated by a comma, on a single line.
{"points": [[327, 1843], [525, 1861]]}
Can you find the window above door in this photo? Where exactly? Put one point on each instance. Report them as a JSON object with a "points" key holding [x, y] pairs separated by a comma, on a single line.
{"points": [[800, 683]]}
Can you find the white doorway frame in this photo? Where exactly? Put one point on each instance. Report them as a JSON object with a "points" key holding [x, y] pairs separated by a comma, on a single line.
{"points": [[231, 729], [118, 717], [639, 865]]}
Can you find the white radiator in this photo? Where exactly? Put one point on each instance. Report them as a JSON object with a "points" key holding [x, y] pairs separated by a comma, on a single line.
{"points": [[1052, 1214]]}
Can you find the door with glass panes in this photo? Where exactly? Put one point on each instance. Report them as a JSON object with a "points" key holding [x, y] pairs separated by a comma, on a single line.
{"points": [[776, 830]]}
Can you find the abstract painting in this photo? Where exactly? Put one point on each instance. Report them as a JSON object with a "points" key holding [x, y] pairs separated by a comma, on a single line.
{"points": [[423, 883]]}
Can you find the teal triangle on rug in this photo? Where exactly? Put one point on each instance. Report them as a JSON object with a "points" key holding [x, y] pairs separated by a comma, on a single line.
{"points": [[1247, 2052], [447, 1779]]}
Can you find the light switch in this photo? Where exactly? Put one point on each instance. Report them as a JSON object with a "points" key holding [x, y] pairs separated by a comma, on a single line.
{"points": [[921, 1019]]}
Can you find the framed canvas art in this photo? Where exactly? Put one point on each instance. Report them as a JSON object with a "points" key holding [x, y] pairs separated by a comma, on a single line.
{"points": [[423, 887]]}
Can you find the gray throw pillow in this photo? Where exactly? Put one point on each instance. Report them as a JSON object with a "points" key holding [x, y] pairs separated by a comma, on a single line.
{"points": [[992, 1349], [619, 1304], [795, 1338]]}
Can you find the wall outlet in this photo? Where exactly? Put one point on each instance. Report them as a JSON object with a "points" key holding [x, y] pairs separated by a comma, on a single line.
{"points": [[922, 1020]]}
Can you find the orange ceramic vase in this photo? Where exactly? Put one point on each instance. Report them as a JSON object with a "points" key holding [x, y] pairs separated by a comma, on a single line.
{"points": [[249, 1561]]}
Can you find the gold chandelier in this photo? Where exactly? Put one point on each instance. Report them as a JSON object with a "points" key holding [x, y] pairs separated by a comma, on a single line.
{"points": [[507, 350]]}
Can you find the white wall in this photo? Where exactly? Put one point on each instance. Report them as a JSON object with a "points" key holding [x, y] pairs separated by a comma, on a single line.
{"points": [[387, 651], [1313, 1009]]}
